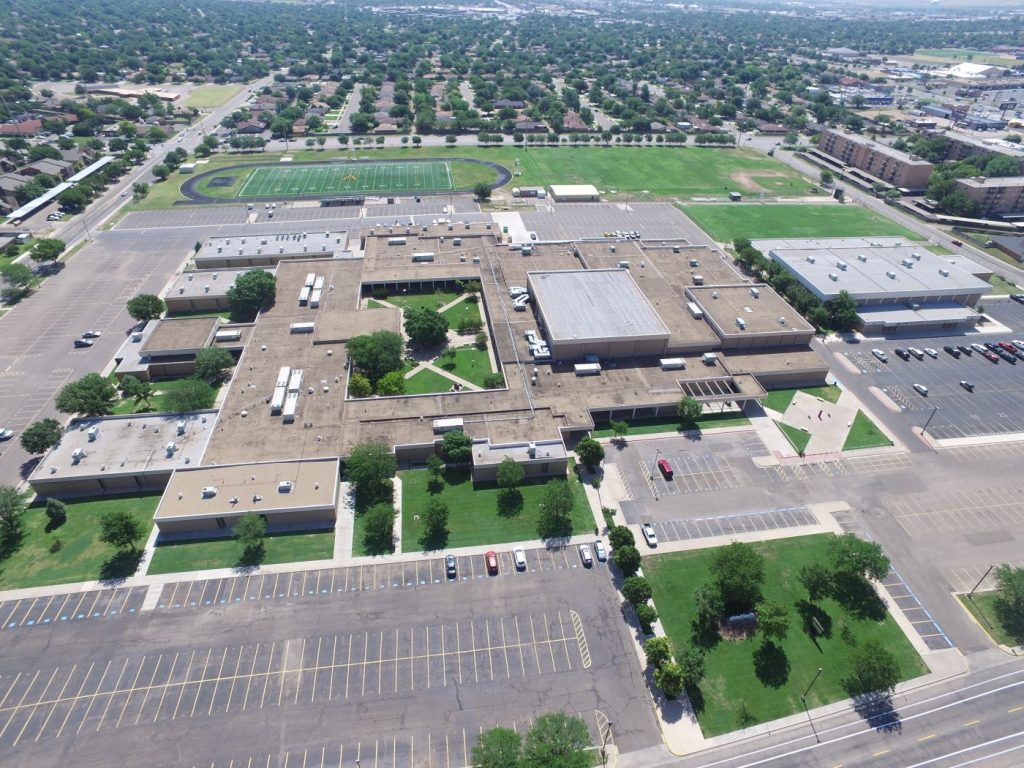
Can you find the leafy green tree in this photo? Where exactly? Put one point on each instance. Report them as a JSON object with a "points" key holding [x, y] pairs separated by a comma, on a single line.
{"points": [[359, 385], [827, 177], [190, 395], [658, 651], [619, 428], [47, 249], [145, 307], [708, 606], [842, 312], [56, 513], [42, 436], [119, 528], [669, 677], [250, 531], [494, 381], [12, 509], [457, 447], [646, 615], [557, 740], [391, 384], [370, 468], [161, 171], [213, 364], [1009, 603], [435, 525], [482, 190], [555, 520], [689, 410], [251, 292], [19, 279], [816, 579], [853, 557], [626, 559], [772, 620], [425, 327], [498, 748], [637, 590], [377, 353], [590, 452], [621, 536], [510, 474], [379, 527], [691, 662], [91, 395], [874, 670], [738, 570]]}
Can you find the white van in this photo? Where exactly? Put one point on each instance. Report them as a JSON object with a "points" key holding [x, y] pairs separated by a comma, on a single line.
{"points": [[520, 558], [921, 389], [880, 355]]}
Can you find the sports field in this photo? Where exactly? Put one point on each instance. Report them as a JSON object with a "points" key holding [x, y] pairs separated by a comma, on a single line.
{"points": [[348, 178], [727, 222]]}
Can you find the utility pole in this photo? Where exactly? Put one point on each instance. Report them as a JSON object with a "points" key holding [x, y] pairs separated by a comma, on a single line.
{"points": [[969, 594], [925, 427], [803, 700]]}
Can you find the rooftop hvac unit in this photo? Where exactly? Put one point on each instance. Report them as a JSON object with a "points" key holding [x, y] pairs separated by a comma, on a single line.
{"points": [[181, 290], [190, 278], [890, 274], [93, 433], [782, 321], [623, 265], [833, 276], [209, 491], [170, 448], [811, 259], [531, 449], [694, 263], [741, 323], [915, 256], [181, 427], [77, 455], [263, 241], [908, 263], [285, 486], [861, 257], [755, 292], [842, 264], [215, 275], [206, 289], [944, 272]]}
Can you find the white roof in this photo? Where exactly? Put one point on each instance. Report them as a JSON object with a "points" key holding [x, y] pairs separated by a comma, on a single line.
{"points": [[569, 190]]}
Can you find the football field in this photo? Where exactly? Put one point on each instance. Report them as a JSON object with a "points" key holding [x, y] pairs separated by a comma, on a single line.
{"points": [[348, 178]]}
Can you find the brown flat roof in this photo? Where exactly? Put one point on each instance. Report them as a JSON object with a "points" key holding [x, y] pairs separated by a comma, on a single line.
{"points": [[760, 312], [340, 326], [180, 334], [777, 361]]}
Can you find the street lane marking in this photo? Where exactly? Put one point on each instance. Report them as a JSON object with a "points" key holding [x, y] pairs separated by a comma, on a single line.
{"points": [[883, 752], [927, 738], [971, 722]]}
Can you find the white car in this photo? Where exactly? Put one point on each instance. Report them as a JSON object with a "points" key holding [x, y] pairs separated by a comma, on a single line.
{"points": [[932, 353], [519, 556], [916, 352], [880, 355], [649, 535], [600, 551], [585, 556], [6, 434]]}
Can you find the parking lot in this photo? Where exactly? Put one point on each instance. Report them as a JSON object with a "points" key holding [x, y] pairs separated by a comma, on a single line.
{"points": [[73, 606], [729, 525]]}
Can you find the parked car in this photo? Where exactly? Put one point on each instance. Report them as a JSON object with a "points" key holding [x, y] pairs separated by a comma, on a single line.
{"points": [[967, 385], [964, 349], [957, 243], [1011, 359], [665, 468], [515, 290], [519, 556], [6, 434], [600, 551], [585, 556], [951, 350], [991, 346], [932, 353], [491, 561], [450, 566], [82, 343], [649, 535], [880, 355], [990, 356], [901, 353], [1008, 347], [978, 348], [917, 353], [921, 389], [92, 334]]}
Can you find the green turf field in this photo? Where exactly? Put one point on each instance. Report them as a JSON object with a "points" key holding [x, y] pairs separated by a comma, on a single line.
{"points": [[348, 178], [209, 96], [727, 222]]}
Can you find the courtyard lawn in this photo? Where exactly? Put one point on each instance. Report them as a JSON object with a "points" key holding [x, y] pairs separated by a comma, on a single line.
{"points": [[427, 382], [779, 399], [982, 606], [81, 556], [473, 516], [464, 310], [374, 304], [670, 424], [864, 433], [428, 300], [158, 404], [798, 438], [755, 221], [470, 363], [210, 96], [202, 554], [732, 694]]}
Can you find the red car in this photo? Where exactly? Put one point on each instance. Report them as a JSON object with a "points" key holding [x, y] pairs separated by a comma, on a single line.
{"points": [[491, 560], [665, 468], [990, 356]]}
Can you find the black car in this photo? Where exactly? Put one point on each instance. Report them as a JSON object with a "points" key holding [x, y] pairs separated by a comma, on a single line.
{"points": [[1007, 356], [964, 349], [901, 353], [992, 347], [81, 343], [951, 351]]}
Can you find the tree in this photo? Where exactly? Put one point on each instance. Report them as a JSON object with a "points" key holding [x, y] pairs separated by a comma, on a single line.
{"points": [[826, 177], [91, 395], [119, 528], [658, 651], [646, 615], [12, 508], [557, 740], [457, 447], [379, 527], [874, 670], [498, 748], [47, 249], [19, 279], [669, 678], [482, 190], [627, 559], [816, 580], [425, 327], [370, 468], [637, 590], [689, 410], [145, 307], [190, 395], [140, 189], [853, 557], [510, 474], [212, 364], [435, 525], [251, 292], [450, 140], [621, 536], [842, 312], [619, 428], [359, 385], [42, 436], [136, 389], [377, 353], [161, 171], [708, 606], [691, 662], [391, 384], [494, 381], [1009, 602], [555, 520], [56, 513], [250, 531], [590, 452], [772, 620], [738, 570]]}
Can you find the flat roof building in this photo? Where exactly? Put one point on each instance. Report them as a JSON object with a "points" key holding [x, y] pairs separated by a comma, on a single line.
{"points": [[575, 193], [750, 316], [202, 290], [598, 312], [269, 249], [879, 160]]}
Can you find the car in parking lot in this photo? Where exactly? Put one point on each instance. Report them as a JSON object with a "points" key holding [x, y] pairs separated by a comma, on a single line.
{"points": [[932, 353], [1011, 359], [901, 353], [1008, 347], [516, 290], [519, 556], [1018, 297], [92, 334], [600, 551], [491, 561], [917, 353], [967, 385], [649, 535], [585, 557], [964, 349], [6, 434], [978, 348], [83, 343], [665, 468], [880, 355], [450, 567], [990, 356], [950, 350], [921, 389]]}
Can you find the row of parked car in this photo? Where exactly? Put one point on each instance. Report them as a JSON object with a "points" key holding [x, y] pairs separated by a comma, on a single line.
{"points": [[1010, 351], [451, 565]]}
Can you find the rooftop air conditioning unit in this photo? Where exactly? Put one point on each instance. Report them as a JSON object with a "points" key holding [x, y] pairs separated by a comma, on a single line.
{"points": [[861, 257], [842, 265], [811, 259], [833, 277], [531, 449], [209, 491], [93, 433], [170, 448], [755, 292], [741, 323], [181, 427], [782, 321], [890, 274], [78, 454], [285, 486], [908, 263], [944, 272], [915, 256]]}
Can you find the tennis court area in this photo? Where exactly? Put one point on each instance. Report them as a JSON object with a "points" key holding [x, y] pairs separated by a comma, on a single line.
{"points": [[348, 178]]}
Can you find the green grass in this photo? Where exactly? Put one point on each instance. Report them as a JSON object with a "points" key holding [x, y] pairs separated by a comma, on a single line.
{"points": [[730, 680], [727, 222], [779, 399], [670, 424], [864, 434], [960, 55], [464, 310], [470, 363], [473, 511], [983, 607], [374, 304], [348, 178], [999, 285], [158, 404], [798, 438], [428, 300], [427, 382], [939, 250], [82, 557], [162, 194], [210, 96], [203, 554]]}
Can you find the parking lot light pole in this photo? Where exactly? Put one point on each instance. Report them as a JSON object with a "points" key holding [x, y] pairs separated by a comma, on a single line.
{"points": [[803, 700], [932, 416], [604, 742]]}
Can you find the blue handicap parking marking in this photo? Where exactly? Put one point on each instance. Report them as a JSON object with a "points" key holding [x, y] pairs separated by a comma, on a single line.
{"points": [[177, 605], [46, 621], [193, 603], [207, 602], [113, 612], [96, 614], [30, 622], [63, 618], [80, 616], [131, 610]]}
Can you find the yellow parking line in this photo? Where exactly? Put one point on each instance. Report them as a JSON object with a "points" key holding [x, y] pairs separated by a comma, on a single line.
{"points": [[971, 722], [1014, 709], [927, 738], [879, 754]]}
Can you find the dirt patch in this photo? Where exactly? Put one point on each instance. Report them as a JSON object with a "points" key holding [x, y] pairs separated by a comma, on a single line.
{"points": [[748, 181]]}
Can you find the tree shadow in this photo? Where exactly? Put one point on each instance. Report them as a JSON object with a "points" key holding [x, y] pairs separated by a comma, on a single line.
{"points": [[510, 502], [10, 541], [121, 565], [28, 467], [878, 711], [435, 484], [53, 525], [1012, 620], [858, 596], [252, 556], [705, 636], [815, 621], [436, 541], [771, 665]]}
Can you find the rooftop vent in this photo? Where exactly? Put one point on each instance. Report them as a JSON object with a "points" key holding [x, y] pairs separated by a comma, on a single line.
{"points": [[833, 276], [890, 274], [209, 491], [861, 257], [755, 292], [285, 486], [782, 321]]}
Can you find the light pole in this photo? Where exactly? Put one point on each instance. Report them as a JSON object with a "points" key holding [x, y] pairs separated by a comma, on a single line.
{"points": [[932, 416], [803, 700], [604, 742]]}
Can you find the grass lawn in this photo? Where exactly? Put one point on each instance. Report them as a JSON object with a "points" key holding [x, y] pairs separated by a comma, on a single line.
{"points": [[962, 55], [1000, 285], [733, 696], [727, 222], [374, 304], [864, 434], [159, 402], [210, 96], [82, 557], [939, 250], [798, 438], [428, 300], [462, 311], [473, 511], [779, 399], [426, 382], [983, 607], [162, 195], [670, 424], [225, 553], [471, 364]]}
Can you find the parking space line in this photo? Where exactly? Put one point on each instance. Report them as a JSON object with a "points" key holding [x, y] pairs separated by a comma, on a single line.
{"points": [[92, 699], [216, 682], [284, 669], [181, 692], [266, 675], [31, 714]]}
